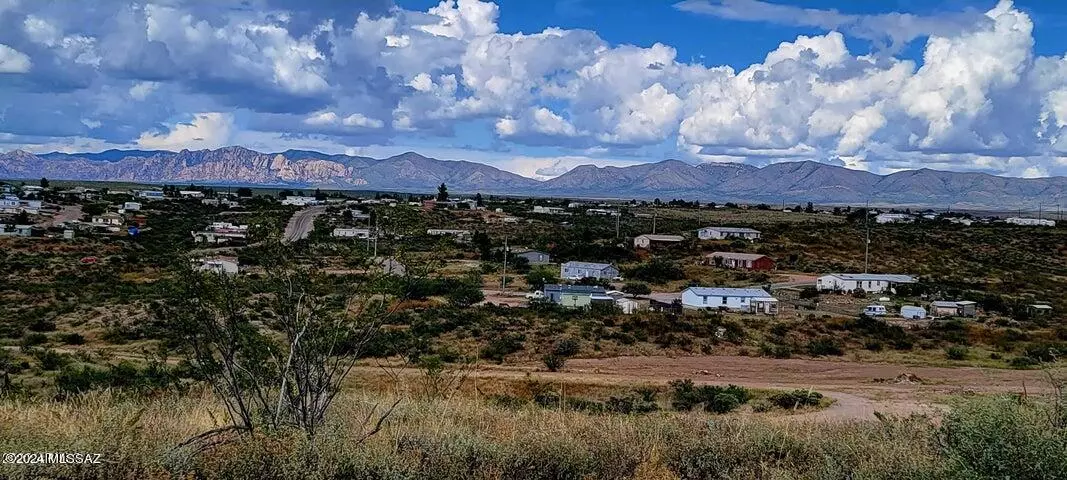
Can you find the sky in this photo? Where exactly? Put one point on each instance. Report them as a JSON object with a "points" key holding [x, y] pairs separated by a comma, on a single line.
{"points": [[539, 87]]}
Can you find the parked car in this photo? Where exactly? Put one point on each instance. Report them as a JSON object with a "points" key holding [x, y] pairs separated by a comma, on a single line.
{"points": [[875, 310]]}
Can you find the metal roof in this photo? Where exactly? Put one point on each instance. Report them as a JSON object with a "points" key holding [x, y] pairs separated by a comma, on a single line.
{"points": [[732, 229], [590, 265], [941, 303], [737, 255], [874, 277], [729, 292], [583, 289], [662, 238]]}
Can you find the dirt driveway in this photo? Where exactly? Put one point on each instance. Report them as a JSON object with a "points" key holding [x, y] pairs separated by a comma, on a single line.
{"points": [[859, 389]]}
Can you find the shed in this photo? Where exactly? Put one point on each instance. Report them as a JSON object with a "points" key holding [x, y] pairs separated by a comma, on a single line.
{"points": [[913, 312]]}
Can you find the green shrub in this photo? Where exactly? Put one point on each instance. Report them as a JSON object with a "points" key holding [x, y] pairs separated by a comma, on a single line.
{"points": [[72, 338], [1004, 437], [553, 362], [34, 339], [502, 346], [566, 347], [796, 399], [722, 403], [957, 352], [825, 346]]}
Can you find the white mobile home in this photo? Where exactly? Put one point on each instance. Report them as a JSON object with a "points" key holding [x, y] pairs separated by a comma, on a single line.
{"points": [[648, 240], [578, 270], [892, 218], [351, 232], [721, 233], [747, 300], [868, 282]]}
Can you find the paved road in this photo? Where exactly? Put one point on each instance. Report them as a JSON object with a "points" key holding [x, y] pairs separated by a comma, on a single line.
{"points": [[301, 224]]}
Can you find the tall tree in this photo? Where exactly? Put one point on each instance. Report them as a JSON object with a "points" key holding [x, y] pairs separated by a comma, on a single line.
{"points": [[287, 371], [478, 200], [44, 182], [442, 193]]}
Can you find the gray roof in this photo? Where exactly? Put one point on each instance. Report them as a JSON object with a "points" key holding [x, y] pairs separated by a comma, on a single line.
{"points": [[732, 229], [590, 289], [729, 292], [875, 277], [662, 238], [588, 265], [738, 256], [941, 303]]}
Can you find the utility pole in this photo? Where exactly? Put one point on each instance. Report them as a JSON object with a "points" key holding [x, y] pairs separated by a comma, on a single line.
{"points": [[867, 241], [375, 233], [618, 220], [653, 221], [504, 277]]}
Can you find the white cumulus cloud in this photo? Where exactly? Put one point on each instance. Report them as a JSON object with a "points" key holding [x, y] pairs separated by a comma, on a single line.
{"points": [[206, 130]]}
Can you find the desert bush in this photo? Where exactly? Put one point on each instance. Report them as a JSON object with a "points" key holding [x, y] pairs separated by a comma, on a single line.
{"points": [[825, 346], [566, 347], [501, 346], [72, 338], [957, 352], [796, 399], [553, 362], [1004, 437]]}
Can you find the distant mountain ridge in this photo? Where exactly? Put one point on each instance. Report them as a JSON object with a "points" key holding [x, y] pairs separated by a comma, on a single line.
{"points": [[789, 182]]}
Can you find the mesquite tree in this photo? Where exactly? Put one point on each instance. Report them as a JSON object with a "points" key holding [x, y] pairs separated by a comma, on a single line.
{"points": [[276, 347]]}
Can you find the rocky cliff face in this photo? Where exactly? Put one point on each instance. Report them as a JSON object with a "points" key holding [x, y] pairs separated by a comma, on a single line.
{"points": [[792, 182]]}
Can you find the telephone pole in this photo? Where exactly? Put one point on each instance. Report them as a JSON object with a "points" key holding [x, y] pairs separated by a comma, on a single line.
{"points": [[504, 277], [375, 233], [867, 241], [618, 219]]}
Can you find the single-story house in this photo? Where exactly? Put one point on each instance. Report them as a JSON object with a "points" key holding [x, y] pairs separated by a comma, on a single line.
{"points": [[107, 219], [721, 233], [577, 270], [572, 295], [746, 300], [535, 258], [892, 218], [868, 282], [227, 265], [647, 240], [151, 194], [1030, 222], [351, 232], [741, 261], [191, 194], [450, 232], [300, 201], [131, 206], [549, 210], [963, 308], [913, 312], [1040, 309]]}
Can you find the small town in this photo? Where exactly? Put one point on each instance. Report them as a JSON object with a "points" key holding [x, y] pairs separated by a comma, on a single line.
{"points": [[551, 240]]}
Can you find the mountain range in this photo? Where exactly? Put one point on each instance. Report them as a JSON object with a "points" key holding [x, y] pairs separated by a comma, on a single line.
{"points": [[790, 182]]}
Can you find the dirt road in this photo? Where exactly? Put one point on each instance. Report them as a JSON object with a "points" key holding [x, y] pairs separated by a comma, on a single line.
{"points": [[65, 213], [858, 389], [301, 224]]}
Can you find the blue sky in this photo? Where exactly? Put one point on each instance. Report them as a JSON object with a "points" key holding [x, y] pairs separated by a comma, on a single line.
{"points": [[539, 87]]}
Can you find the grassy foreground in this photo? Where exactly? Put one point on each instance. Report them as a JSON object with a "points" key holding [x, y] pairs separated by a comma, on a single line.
{"points": [[466, 438]]}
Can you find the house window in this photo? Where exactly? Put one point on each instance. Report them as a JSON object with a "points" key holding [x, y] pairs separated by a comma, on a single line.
{"points": [[868, 285], [724, 300], [705, 299]]}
